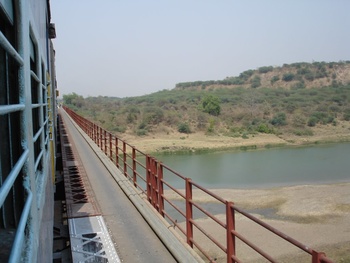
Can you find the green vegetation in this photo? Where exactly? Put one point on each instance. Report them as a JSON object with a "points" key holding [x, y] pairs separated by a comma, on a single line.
{"points": [[211, 104], [267, 100], [184, 128]]}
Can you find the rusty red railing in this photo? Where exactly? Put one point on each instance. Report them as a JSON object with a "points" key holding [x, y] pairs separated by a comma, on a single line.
{"points": [[180, 207]]}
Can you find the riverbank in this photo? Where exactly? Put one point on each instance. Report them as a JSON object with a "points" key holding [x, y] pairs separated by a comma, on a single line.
{"points": [[175, 142], [315, 215]]}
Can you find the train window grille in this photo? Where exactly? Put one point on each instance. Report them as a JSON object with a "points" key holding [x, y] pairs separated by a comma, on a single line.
{"points": [[36, 105], [22, 153], [12, 154], [45, 106]]}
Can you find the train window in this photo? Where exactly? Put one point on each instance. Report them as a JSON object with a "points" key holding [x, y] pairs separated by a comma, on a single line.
{"points": [[7, 8], [36, 104], [45, 103], [10, 126]]}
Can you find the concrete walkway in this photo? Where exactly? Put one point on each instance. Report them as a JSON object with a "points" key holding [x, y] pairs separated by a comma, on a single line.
{"points": [[138, 238]]}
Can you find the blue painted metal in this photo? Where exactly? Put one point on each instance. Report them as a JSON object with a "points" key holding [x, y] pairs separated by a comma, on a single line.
{"points": [[8, 183], [20, 236], [6, 109], [9, 49], [28, 22]]}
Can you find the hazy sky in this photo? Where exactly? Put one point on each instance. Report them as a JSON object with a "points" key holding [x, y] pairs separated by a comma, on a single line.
{"points": [[127, 48]]}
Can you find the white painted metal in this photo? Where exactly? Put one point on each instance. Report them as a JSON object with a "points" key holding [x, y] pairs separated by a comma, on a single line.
{"points": [[90, 241]]}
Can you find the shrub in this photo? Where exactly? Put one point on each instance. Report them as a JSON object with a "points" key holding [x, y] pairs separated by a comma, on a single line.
{"points": [[141, 132], [299, 85], [211, 129], [346, 115], [184, 128], [245, 135], [264, 128], [312, 121], [299, 120], [255, 82], [288, 77], [265, 69], [274, 79], [303, 132], [245, 75], [309, 76], [279, 119]]}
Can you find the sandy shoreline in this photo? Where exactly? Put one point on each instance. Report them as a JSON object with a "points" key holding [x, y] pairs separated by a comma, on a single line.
{"points": [[315, 215], [178, 142]]}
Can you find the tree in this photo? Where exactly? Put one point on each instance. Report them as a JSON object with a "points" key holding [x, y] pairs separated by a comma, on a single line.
{"points": [[74, 100], [211, 104]]}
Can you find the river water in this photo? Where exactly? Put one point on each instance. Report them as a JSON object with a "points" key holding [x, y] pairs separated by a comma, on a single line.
{"points": [[320, 164]]}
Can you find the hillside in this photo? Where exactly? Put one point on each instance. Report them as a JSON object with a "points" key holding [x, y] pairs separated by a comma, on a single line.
{"points": [[289, 76], [293, 104]]}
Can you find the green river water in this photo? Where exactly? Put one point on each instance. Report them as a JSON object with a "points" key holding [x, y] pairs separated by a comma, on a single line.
{"points": [[319, 164]]}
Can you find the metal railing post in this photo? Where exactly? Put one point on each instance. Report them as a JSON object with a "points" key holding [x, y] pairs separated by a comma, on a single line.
{"points": [[134, 178], [189, 213], [105, 141], [124, 160], [160, 190], [154, 182], [116, 153], [110, 147], [230, 237], [101, 138], [148, 177]]}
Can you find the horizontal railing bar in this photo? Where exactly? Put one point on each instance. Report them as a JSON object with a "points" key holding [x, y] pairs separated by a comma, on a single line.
{"points": [[251, 245], [19, 238], [37, 134], [36, 105], [174, 189], [11, 178], [9, 49], [174, 172], [37, 161], [202, 250], [175, 207], [211, 238], [274, 230], [209, 193], [6, 109], [208, 214], [33, 74]]}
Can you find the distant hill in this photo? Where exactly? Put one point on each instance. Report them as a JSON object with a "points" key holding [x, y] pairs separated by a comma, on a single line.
{"points": [[292, 100], [296, 75]]}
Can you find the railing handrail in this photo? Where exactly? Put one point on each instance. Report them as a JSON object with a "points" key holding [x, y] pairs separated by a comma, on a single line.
{"points": [[127, 158]]}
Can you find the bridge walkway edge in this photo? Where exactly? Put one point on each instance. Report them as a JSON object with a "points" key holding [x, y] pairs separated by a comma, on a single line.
{"points": [[177, 247]]}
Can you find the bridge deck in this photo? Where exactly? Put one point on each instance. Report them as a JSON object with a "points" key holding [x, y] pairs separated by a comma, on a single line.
{"points": [[135, 240]]}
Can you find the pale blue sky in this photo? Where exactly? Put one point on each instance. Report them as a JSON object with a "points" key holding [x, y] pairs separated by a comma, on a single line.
{"points": [[127, 48]]}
